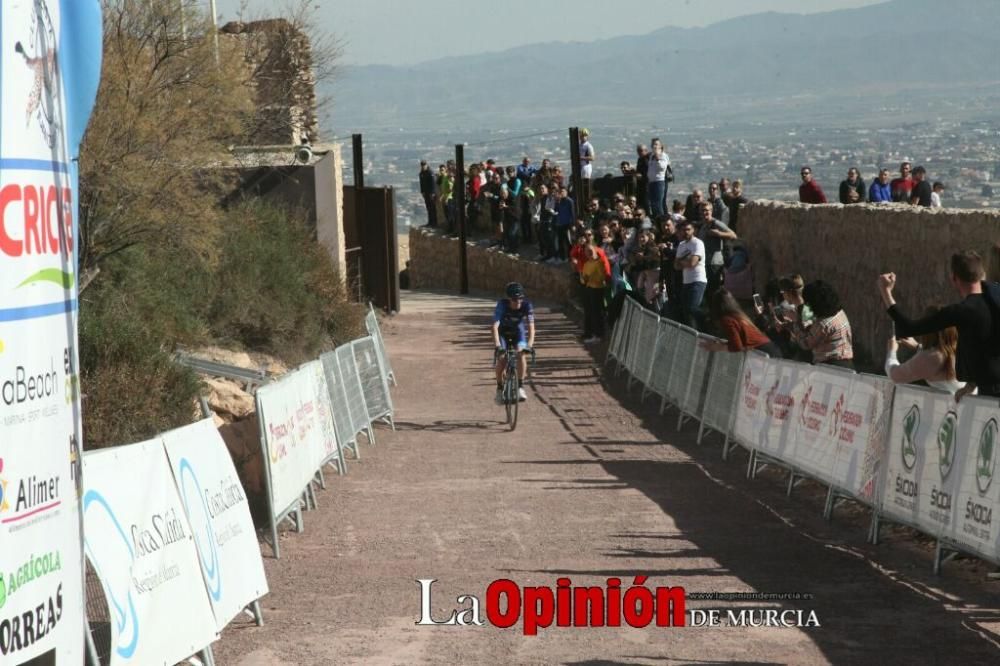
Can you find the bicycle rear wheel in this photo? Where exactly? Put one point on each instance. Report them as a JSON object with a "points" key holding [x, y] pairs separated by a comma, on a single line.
{"points": [[507, 402]]}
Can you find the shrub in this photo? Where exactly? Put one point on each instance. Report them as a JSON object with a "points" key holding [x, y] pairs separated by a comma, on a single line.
{"points": [[131, 388], [279, 292]]}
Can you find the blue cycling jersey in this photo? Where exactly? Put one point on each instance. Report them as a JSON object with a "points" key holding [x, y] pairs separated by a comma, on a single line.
{"points": [[514, 321]]}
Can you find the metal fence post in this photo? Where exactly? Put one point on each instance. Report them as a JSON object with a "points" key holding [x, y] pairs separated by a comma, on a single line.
{"points": [[463, 258]]}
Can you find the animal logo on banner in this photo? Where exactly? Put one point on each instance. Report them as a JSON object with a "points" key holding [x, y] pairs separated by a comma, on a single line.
{"points": [[986, 457], [39, 55], [946, 443], [838, 412], [911, 423], [769, 399], [805, 406]]}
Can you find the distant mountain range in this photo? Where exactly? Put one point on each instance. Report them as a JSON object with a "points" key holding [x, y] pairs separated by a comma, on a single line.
{"points": [[893, 48]]}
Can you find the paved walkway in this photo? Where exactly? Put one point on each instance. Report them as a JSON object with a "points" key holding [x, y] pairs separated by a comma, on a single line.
{"points": [[592, 485]]}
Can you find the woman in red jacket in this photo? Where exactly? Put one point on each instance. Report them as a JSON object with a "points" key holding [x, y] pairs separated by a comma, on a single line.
{"points": [[739, 331]]}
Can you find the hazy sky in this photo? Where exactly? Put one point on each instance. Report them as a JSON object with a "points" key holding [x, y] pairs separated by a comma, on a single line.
{"points": [[405, 32]]}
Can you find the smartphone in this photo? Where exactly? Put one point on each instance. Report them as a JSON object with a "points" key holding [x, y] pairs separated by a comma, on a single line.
{"points": [[758, 301]]}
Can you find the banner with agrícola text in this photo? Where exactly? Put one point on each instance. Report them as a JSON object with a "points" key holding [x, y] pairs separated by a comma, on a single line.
{"points": [[50, 54]]}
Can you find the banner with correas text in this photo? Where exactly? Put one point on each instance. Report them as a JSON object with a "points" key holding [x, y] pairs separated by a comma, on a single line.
{"points": [[50, 54]]}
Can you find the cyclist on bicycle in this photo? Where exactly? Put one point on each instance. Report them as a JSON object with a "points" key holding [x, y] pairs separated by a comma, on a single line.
{"points": [[513, 323]]}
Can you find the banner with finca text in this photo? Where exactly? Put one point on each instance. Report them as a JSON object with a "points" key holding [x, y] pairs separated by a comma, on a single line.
{"points": [[50, 61]]}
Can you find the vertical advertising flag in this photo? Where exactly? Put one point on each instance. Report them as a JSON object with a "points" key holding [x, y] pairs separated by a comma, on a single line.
{"points": [[50, 53]]}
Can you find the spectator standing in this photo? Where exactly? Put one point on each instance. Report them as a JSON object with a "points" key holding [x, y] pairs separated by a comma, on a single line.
{"points": [[526, 171], [719, 209], [547, 223], [629, 179], [933, 363], [641, 175], [881, 189], [735, 201], [921, 193], [691, 260], [586, 161], [511, 220], [565, 219], [594, 276], [829, 336], [525, 202], [645, 262], [977, 357], [936, 192], [692, 207], [427, 192], [739, 331], [809, 191], [902, 186], [852, 190], [667, 242], [657, 175], [446, 189], [725, 190], [717, 237]]}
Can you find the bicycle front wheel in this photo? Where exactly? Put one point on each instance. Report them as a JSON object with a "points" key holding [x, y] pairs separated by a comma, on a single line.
{"points": [[513, 401]]}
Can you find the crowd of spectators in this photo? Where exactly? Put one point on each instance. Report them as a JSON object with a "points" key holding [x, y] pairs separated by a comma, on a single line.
{"points": [[674, 255], [911, 187]]}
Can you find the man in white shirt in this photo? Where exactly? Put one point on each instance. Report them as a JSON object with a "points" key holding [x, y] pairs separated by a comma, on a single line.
{"points": [[691, 260], [586, 163], [657, 174]]}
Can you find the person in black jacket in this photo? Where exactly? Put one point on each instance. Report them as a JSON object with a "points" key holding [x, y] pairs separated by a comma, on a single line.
{"points": [[427, 191], [852, 190], [977, 360]]}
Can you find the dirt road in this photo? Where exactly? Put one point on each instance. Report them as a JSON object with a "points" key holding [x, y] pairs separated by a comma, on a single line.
{"points": [[592, 485]]}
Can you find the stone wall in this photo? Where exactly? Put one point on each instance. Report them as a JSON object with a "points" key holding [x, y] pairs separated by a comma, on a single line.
{"points": [[434, 265], [849, 246], [279, 58]]}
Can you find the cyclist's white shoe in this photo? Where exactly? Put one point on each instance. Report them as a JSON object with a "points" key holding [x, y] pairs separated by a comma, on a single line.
{"points": [[499, 398], [522, 395]]}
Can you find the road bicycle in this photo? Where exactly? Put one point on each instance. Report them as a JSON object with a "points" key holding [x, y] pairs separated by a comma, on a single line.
{"points": [[508, 392]]}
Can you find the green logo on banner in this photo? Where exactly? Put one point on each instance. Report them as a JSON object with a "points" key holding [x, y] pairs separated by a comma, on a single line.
{"points": [[911, 423], [946, 443], [986, 458]]}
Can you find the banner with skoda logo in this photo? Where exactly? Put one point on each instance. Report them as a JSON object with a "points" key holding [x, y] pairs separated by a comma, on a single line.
{"points": [[976, 468], [219, 515], [921, 476], [141, 545], [50, 60]]}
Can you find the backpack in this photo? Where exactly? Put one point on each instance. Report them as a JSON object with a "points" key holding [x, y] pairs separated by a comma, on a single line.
{"points": [[740, 282]]}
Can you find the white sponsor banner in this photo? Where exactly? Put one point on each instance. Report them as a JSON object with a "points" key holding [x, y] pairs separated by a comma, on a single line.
{"points": [[287, 409], [783, 386], [862, 437], [46, 94], [748, 426], [219, 515], [921, 480], [818, 416], [977, 502], [138, 539], [325, 432]]}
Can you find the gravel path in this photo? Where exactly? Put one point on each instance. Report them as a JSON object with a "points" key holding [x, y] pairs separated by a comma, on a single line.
{"points": [[592, 485]]}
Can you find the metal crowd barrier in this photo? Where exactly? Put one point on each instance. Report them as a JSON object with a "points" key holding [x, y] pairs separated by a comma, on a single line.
{"points": [[374, 330]]}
